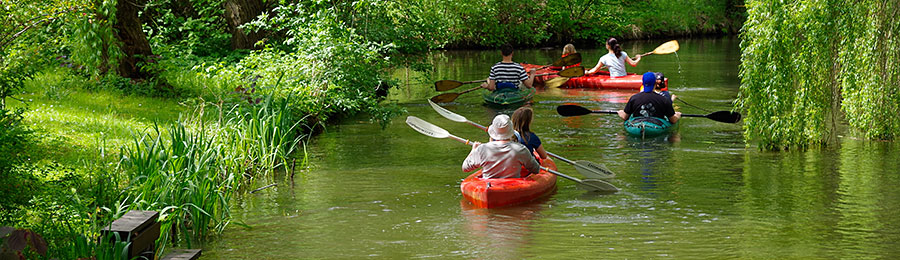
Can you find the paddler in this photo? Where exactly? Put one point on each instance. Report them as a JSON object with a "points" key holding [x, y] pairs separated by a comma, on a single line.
{"points": [[649, 104], [615, 60], [662, 87], [508, 74], [503, 156]]}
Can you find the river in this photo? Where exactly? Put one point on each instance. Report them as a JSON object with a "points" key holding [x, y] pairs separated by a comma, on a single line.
{"points": [[698, 193]]}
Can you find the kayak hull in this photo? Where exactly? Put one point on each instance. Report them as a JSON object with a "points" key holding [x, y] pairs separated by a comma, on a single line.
{"points": [[599, 79], [493, 193], [509, 97], [647, 126]]}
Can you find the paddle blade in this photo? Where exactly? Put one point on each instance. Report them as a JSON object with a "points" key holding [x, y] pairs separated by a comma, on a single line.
{"points": [[572, 110], [666, 48], [596, 185], [572, 72], [568, 60], [426, 128], [593, 170], [725, 116], [447, 84], [446, 113], [444, 98], [555, 82]]}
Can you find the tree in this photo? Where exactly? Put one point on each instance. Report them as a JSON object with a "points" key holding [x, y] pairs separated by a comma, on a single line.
{"points": [[134, 42], [803, 63], [239, 12]]}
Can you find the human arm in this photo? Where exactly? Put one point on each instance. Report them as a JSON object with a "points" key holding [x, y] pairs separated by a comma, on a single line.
{"points": [[490, 84], [622, 114], [674, 118], [474, 160], [596, 68], [528, 161], [633, 62], [541, 152], [530, 81], [670, 113]]}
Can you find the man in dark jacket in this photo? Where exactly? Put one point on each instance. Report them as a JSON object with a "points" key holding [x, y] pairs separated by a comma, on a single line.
{"points": [[649, 104]]}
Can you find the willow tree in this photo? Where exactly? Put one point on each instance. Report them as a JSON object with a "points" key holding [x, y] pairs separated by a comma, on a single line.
{"points": [[808, 64]]}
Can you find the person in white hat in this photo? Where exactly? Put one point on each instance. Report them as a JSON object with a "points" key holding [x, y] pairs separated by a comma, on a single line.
{"points": [[501, 157]]}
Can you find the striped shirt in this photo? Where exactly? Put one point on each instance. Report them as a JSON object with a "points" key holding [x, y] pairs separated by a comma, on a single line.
{"points": [[508, 72]]}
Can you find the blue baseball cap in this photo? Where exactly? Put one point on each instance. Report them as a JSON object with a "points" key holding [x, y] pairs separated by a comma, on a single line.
{"points": [[649, 81]]}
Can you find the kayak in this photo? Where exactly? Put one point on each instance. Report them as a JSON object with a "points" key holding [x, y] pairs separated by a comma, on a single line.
{"points": [[600, 79], [647, 126], [509, 97], [492, 193]]}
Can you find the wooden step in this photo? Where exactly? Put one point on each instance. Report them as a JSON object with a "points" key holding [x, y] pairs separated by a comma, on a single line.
{"points": [[183, 254]]}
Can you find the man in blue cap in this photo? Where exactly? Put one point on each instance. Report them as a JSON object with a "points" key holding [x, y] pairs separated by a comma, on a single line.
{"points": [[649, 104]]}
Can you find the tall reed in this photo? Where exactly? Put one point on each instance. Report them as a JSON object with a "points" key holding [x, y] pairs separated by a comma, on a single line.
{"points": [[190, 171]]}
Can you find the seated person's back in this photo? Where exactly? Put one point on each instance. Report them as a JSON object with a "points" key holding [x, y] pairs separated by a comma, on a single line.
{"points": [[501, 157], [649, 104]]}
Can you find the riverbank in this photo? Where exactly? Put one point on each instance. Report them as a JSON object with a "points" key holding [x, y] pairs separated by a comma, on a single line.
{"points": [[557, 23], [203, 123]]}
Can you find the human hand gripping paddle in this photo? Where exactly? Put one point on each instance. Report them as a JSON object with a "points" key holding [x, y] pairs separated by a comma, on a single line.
{"points": [[586, 168], [569, 60], [576, 110], [431, 130], [449, 97]]}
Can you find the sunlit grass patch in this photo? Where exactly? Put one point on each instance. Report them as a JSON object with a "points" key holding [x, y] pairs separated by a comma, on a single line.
{"points": [[74, 126]]}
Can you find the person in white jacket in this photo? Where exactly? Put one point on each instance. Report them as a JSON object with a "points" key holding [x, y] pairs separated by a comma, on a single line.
{"points": [[502, 157]]}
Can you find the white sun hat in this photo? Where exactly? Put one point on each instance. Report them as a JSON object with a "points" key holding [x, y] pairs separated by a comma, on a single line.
{"points": [[501, 128]]}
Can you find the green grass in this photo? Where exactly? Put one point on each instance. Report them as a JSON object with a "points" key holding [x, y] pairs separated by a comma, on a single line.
{"points": [[77, 125], [100, 152]]}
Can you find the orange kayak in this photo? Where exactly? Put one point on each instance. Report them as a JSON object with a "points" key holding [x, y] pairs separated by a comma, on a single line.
{"points": [[598, 79], [492, 193]]}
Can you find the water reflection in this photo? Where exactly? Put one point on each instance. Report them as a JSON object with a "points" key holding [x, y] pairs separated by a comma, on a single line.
{"points": [[503, 232]]}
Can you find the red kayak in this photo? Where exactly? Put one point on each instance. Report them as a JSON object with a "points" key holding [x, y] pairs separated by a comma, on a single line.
{"points": [[598, 79], [492, 193]]}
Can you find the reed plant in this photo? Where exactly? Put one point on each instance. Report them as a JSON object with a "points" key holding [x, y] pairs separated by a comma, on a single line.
{"points": [[191, 170]]}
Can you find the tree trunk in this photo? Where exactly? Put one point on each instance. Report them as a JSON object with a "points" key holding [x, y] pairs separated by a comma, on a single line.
{"points": [[134, 42], [238, 12]]}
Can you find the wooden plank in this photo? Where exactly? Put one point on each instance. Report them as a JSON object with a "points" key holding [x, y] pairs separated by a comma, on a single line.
{"points": [[133, 221], [138, 227], [183, 254], [145, 239]]}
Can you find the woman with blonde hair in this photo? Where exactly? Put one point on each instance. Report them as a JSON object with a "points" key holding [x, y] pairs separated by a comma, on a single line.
{"points": [[567, 50]]}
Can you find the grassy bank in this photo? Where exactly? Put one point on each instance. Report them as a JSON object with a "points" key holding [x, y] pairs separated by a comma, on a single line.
{"points": [[99, 151]]}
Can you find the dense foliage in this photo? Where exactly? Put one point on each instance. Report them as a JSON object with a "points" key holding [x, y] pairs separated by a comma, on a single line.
{"points": [[805, 62], [246, 108], [538, 22]]}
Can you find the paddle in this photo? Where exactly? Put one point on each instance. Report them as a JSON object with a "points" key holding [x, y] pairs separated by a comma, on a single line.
{"points": [[449, 97], [576, 110], [586, 168], [568, 60], [431, 130], [665, 48], [572, 59], [562, 79]]}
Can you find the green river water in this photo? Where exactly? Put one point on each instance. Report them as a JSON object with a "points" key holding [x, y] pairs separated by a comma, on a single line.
{"points": [[699, 193]]}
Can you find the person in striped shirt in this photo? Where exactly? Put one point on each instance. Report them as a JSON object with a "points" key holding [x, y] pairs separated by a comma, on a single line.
{"points": [[507, 73]]}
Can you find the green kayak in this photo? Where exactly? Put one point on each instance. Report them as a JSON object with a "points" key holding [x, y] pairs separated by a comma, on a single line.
{"points": [[509, 96], [647, 126]]}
